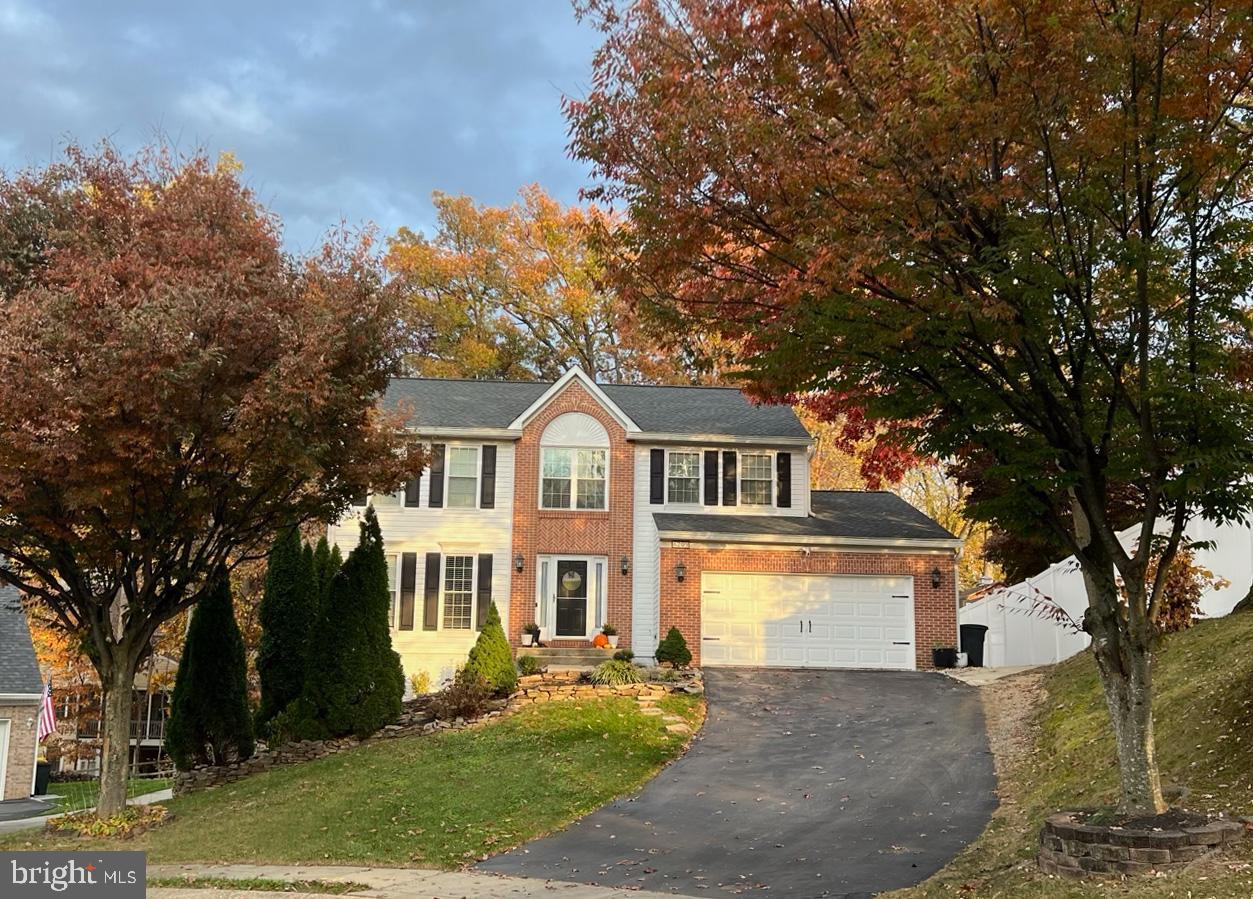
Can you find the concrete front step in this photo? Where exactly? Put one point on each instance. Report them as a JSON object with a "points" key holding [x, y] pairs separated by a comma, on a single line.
{"points": [[566, 657]]}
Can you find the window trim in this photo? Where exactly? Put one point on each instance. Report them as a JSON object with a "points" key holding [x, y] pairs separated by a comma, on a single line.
{"points": [[700, 477], [739, 478], [478, 476], [443, 590], [574, 478]]}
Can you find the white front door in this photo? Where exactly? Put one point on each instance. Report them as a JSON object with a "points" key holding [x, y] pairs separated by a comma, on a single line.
{"points": [[571, 601], [807, 621]]}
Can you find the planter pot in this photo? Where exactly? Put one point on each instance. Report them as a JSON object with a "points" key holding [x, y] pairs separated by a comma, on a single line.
{"points": [[528, 639], [613, 641], [944, 658]]}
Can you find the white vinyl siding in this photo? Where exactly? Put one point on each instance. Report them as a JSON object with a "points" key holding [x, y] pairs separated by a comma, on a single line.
{"points": [[447, 531]]}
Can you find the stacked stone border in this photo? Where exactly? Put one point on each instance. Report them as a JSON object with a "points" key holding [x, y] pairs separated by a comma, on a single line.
{"points": [[1072, 849], [418, 719]]}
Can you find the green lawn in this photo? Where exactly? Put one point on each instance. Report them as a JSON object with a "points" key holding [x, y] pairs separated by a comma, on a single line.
{"points": [[1204, 693], [81, 794], [435, 801]]}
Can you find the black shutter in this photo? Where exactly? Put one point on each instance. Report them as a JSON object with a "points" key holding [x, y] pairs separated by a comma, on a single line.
{"points": [[408, 588], [430, 597], [360, 499], [730, 486], [783, 468], [436, 500], [485, 590], [487, 486], [711, 477], [656, 476], [413, 491]]}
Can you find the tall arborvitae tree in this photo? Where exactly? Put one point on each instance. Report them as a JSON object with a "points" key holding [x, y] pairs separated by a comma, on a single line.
{"points": [[287, 612], [210, 722], [326, 564], [357, 682]]}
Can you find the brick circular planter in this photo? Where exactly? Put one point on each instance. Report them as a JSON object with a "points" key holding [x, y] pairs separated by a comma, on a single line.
{"points": [[1073, 848]]}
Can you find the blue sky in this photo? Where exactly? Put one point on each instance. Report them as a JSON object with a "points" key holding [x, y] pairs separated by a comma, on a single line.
{"points": [[351, 111]]}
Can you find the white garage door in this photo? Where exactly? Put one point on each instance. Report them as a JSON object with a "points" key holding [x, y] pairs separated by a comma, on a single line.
{"points": [[807, 621]]}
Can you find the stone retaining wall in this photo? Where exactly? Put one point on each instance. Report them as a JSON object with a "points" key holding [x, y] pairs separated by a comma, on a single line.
{"points": [[1074, 849], [418, 719]]}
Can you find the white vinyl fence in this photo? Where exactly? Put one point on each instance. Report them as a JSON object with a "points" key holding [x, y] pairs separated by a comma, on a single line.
{"points": [[1021, 633]]}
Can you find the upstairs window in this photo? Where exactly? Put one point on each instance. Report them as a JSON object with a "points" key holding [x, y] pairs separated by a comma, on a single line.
{"points": [[573, 478], [683, 477], [391, 585], [756, 479], [462, 463]]}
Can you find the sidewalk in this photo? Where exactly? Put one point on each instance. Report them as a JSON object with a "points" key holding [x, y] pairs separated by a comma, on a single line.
{"points": [[386, 883], [39, 816], [981, 677]]}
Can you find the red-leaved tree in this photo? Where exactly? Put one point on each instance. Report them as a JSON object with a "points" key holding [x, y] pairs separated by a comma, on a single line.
{"points": [[174, 388]]}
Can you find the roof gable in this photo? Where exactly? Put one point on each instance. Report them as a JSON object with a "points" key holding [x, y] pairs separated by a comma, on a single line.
{"points": [[572, 375]]}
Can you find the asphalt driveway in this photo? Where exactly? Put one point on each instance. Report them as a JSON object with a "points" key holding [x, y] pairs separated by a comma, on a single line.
{"points": [[802, 783]]}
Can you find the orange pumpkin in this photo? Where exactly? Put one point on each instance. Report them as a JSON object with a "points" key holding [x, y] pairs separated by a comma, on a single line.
{"points": [[600, 641]]}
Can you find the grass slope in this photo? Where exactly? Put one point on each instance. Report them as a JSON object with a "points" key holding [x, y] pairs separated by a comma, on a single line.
{"points": [[436, 801], [1204, 694]]}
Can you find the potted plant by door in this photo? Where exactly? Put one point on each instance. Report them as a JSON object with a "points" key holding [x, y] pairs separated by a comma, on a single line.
{"points": [[944, 657], [611, 633], [530, 634]]}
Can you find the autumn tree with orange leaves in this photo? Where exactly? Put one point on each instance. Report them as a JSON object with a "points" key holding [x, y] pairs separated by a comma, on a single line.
{"points": [[519, 292], [174, 389], [1019, 229]]}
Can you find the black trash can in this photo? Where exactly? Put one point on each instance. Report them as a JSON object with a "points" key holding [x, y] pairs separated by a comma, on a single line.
{"points": [[972, 643], [43, 774]]}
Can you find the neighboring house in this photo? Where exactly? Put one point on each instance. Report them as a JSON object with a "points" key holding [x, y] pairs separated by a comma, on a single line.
{"points": [[20, 699], [77, 744], [574, 505], [1021, 630]]}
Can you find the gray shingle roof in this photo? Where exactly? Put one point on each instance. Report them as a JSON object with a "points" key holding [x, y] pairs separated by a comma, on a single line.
{"points": [[873, 515], [720, 411], [19, 673]]}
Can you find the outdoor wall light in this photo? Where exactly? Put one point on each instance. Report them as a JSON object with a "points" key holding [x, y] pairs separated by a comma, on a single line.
{"points": [[626, 566], [936, 576], [680, 572], [518, 562]]}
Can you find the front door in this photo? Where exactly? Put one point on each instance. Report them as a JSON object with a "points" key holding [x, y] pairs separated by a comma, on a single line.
{"points": [[571, 598]]}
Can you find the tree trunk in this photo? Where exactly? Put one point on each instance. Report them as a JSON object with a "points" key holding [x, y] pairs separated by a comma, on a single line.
{"points": [[118, 681], [1122, 647], [1129, 696]]}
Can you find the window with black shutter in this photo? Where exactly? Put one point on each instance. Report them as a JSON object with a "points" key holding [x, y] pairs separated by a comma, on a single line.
{"points": [[730, 486]]}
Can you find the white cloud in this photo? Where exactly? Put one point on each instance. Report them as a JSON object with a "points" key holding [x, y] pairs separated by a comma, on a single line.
{"points": [[220, 106]]}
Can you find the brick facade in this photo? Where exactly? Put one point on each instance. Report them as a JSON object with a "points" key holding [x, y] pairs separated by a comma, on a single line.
{"points": [[21, 760], [576, 532], [935, 608]]}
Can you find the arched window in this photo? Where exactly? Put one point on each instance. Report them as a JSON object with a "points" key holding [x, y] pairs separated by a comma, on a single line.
{"points": [[574, 463]]}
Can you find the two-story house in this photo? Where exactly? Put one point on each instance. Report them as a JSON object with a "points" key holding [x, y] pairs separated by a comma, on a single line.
{"points": [[573, 505]]}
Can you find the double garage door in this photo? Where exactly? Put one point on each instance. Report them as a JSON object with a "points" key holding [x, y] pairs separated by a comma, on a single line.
{"points": [[807, 621]]}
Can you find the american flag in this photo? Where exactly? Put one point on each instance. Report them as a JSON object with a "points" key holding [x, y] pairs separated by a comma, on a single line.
{"points": [[47, 716]]}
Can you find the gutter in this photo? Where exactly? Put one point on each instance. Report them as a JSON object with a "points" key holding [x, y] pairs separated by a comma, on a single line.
{"points": [[718, 439], [460, 433], [20, 698], [902, 544]]}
